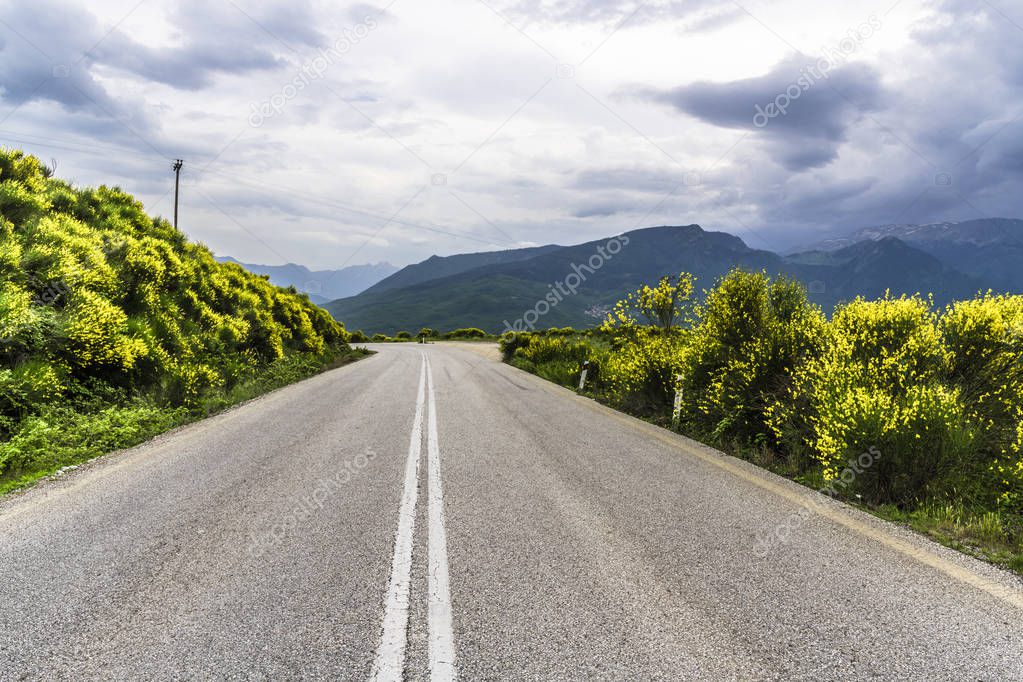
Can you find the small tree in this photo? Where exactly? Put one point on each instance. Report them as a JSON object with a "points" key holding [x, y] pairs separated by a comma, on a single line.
{"points": [[663, 306]]}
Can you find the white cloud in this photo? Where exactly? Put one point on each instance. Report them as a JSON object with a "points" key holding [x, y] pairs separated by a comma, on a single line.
{"points": [[473, 132]]}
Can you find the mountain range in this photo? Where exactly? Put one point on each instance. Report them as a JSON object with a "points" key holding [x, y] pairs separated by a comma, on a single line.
{"points": [[990, 249], [322, 286], [498, 289], [494, 290]]}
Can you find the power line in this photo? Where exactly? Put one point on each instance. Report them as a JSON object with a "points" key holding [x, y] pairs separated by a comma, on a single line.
{"points": [[82, 147], [357, 211]]}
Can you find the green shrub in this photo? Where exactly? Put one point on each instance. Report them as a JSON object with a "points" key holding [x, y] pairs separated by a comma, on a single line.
{"points": [[877, 387], [100, 302], [554, 358], [915, 412], [403, 336], [60, 436], [750, 335], [643, 366], [562, 372], [984, 338], [30, 384], [512, 341], [466, 333]]}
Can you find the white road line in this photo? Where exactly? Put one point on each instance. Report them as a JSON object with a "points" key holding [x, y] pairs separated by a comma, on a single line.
{"points": [[390, 658], [442, 647]]}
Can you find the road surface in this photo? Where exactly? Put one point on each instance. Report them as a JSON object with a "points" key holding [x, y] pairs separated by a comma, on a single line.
{"points": [[429, 513]]}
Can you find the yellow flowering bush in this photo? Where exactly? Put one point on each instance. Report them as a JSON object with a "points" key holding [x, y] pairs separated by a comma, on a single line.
{"points": [[900, 402], [642, 369], [10, 251], [15, 310], [984, 337], [99, 298], [196, 380], [554, 358], [664, 305], [62, 249], [751, 335], [96, 332], [879, 385]]}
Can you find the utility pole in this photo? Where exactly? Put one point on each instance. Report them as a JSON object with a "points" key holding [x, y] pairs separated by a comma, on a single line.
{"points": [[177, 177]]}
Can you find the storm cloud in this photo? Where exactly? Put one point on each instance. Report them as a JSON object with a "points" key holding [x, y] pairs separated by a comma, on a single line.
{"points": [[410, 129], [804, 110]]}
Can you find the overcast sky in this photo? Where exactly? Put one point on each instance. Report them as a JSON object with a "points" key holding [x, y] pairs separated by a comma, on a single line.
{"points": [[326, 134]]}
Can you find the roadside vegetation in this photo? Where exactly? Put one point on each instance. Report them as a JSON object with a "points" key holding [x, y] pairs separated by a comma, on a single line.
{"points": [[929, 400], [113, 327], [464, 334]]}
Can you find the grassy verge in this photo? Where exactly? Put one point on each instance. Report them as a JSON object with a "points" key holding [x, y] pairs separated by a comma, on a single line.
{"points": [[994, 536], [988, 535], [62, 435]]}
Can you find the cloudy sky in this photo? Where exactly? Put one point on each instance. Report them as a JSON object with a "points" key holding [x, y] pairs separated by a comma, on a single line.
{"points": [[326, 134]]}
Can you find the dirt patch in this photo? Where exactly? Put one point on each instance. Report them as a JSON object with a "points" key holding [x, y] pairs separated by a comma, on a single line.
{"points": [[487, 349]]}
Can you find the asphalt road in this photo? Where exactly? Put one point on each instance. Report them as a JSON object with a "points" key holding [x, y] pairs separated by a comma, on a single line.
{"points": [[430, 513]]}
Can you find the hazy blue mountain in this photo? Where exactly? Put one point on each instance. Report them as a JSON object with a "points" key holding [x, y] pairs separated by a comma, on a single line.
{"points": [[869, 268], [989, 249], [321, 285], [494, 294]]}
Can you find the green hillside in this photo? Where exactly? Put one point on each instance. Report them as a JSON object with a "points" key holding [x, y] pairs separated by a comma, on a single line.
{"points": [[445, 266], [599, 273], [114, 326]]}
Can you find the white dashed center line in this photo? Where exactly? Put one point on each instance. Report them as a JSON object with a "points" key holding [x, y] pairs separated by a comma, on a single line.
{"points": [[389, 664], [442, 649]]}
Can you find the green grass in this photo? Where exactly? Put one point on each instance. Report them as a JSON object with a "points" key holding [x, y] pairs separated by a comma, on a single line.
{"points": [[62, 435], [993, 536]]}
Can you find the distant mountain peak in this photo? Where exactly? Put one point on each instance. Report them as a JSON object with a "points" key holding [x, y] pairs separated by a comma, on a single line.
{"points": [[320, 285], [979, 232], [988, 250]]}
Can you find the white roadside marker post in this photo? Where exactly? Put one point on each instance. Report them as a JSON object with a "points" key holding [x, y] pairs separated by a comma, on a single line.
{"points": [[582, 375], [676, 413]]}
